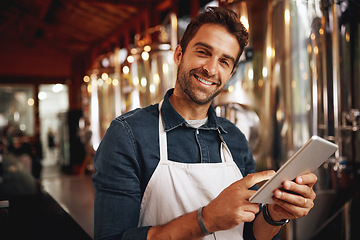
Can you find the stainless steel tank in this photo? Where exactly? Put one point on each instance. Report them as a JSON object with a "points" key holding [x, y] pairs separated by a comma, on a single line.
{"points": [[312, 60], [149, 70], [311, 86], [147, 74]]}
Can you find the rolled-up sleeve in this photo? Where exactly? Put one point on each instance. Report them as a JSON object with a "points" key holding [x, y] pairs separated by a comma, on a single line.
{"points": [[117, 186]]}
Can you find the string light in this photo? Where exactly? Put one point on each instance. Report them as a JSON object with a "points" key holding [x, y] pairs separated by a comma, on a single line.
{"points": [[145, 56], [86, 79], [126, 70]]}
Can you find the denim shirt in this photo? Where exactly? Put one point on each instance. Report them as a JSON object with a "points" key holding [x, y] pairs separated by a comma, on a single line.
{"points": [[129, 154]]}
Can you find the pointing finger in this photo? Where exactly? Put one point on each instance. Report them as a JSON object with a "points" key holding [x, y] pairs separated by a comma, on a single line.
{"points": [[251, 179]]}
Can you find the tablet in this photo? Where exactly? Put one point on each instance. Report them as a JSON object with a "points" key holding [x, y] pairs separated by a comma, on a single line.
{"points": [[307, 159]]}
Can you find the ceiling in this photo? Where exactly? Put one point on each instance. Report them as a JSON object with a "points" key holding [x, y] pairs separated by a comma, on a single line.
{"points": [[40, 39], [69, 27]]}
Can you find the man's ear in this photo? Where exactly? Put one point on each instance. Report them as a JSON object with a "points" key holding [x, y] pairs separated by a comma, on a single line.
{"points": [[178, 55]]}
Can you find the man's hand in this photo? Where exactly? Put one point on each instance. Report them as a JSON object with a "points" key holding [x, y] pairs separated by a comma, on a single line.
{"points": [[296, 204], [232, 206]]}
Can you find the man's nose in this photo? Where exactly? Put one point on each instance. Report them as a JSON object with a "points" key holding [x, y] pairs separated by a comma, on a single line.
{"points": [[211, 67]]}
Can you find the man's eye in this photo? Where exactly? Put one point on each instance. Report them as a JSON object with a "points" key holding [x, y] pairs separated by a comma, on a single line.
{"points": [[225, 62]]}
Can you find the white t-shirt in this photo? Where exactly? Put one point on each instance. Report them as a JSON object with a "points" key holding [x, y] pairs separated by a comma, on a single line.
{"points": [[197, 123]]}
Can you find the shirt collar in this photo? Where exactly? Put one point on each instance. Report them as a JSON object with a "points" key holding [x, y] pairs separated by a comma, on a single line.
{"points": [[172, 119]]}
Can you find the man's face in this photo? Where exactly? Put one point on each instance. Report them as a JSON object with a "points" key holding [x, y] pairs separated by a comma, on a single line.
{"points": [[206, 66]]}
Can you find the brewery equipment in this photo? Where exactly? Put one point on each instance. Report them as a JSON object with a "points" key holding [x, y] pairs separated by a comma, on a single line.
{"points": [[310, 86]]}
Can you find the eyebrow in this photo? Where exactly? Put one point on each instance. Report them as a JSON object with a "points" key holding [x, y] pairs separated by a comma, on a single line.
{"points": [[211, 48]]}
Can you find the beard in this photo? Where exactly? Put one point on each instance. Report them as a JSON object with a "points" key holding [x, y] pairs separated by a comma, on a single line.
{"points": [[199, 95]]}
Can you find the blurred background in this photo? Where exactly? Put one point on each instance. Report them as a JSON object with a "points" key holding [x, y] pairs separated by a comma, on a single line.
{"points": [[67, 68]]}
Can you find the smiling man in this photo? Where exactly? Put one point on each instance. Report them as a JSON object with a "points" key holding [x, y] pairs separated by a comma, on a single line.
{"points": [[204, 68], [175, 170]]}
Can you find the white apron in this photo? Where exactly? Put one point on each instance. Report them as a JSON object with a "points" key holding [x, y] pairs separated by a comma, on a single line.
{"points": [[178, 188]]}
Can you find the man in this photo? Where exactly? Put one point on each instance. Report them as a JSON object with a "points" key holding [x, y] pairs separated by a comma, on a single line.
{"points": [[175, 170]]}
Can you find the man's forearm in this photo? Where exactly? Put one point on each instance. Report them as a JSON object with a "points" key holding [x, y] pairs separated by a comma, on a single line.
{"points": [[187, 227], [183, 227], [263, 230]]}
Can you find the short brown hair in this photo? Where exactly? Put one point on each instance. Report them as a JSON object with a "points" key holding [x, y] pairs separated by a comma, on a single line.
{"points": [[217, 15]]}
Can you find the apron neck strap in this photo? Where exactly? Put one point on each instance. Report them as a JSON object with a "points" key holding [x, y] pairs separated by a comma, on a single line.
{"points": [[162, 137], [224, 150]]}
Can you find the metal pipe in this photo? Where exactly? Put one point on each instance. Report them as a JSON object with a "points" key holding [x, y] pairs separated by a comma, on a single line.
{"points": [[289, 97], [174, 31], [324, 81], [117, 88], [336, 77]]}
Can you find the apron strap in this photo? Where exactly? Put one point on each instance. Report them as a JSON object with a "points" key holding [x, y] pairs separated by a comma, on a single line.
{"points": [[225, 153], [162, 137], [224, 150]]}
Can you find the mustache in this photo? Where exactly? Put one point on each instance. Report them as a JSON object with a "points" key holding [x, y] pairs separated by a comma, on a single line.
{"points": [[205, 74]]}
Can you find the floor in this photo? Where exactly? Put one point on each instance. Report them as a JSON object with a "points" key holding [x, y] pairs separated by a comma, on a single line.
{"points": [[75, 194]]}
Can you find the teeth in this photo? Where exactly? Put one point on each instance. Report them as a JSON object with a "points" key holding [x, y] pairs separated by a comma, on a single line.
{"points": [[204, 81]]}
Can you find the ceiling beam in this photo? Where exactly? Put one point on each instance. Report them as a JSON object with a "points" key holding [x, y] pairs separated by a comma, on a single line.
{"points": [[45, 8], [33, 79], [31, 33], [139, 4]]}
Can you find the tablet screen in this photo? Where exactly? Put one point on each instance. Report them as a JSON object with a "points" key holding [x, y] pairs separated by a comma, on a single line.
{"points": [[307, 159]]}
